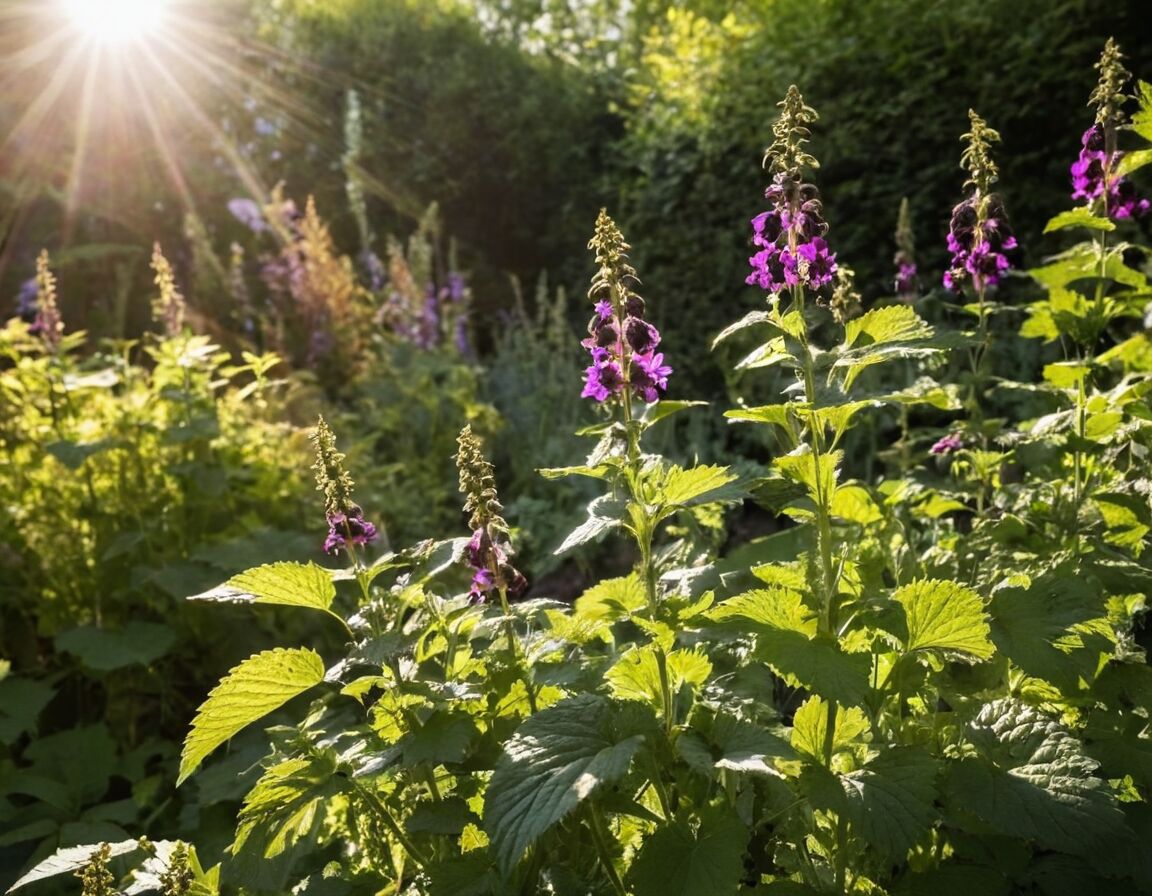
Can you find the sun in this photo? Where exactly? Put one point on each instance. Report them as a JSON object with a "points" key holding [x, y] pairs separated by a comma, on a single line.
{"points": [[116, 21]]}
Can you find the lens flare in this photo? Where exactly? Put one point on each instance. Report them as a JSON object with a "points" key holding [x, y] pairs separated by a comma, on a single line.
{"points": [[115, 21]]}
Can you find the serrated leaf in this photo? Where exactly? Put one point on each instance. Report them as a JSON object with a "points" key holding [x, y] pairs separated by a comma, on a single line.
{"points": [[736, 745], [751, 319], [854, 504], [636, 675], [1142, 118], [767, 355], [286, 805], [1031, 779], [698, 485], [72, 858], [658, 410], [1081, 216], [810, 728], [286, 584], [892, 323], [250, 691], [786, 639], [944, 616], [775, 414], [819, 479], [612, 599], [444, 737], [604, 514], [555, 760], [676, 860], [889, 802]]}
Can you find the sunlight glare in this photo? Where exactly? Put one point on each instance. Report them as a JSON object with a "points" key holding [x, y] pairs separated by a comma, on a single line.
{"points": [[115, 21]]}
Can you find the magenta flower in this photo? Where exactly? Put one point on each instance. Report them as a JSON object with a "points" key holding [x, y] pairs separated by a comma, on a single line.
{"points": [[1091, 179], [348, 528], [790, 235], [948, 444], [603, 309], [603, 380], [649, 376]]}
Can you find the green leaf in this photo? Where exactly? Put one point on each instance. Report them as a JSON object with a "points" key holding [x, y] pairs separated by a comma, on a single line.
{"points": [[944, 616], [612, 599], [677, 860], [604, 514], [286, 805], [71, 859], [1032, 780], [892, 323], [891, 800], [287, 584], [444, 737], [1055, 629], [775, 414], [810, 728], [736, 745], [658, 410], [751, 319], [555, 760], [21, 701], [699, 485], [250, 691], [73, 454], [105, 649], [800, 466], [1142, 118], [1081, 216], [636, 675], [786, 639]]}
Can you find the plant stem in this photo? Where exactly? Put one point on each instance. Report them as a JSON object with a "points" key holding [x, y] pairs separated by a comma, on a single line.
{"points": [[390, 822], [519, 658], [599, 837]]}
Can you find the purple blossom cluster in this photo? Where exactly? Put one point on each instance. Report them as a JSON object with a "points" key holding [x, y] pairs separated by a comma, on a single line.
{"points": [[793, 251], [491, 569], [948, 444], [350, 527], [980, 241], [907, 283], [623, 348], [1092, 178]]}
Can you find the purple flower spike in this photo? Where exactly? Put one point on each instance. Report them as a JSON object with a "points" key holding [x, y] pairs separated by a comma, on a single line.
{"points": [[1091, 180]]}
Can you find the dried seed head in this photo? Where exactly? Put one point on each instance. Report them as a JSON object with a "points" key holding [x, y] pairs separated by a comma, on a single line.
{"points": [[478, 484]]}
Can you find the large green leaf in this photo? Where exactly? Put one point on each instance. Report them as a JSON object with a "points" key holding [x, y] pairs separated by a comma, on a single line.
{"points": [[604, 514], [733, 744], [944, 616], [105, 649], [636, 675], [677, 860], [1081, 216], [556, 759], [892, 323], [787, 639], [1031, 779], [72, 859], [698, 485], [253, 689], [288, 584], [286, 804], [889, 802]]}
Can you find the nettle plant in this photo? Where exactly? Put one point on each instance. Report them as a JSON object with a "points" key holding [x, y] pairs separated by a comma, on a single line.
{"points": [[916, 687]]}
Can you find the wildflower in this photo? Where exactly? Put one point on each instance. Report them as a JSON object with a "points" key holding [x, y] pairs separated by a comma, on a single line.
{"points": [[346, 523], [26, 306], [907, 282], [979, 237], [248, 213], [622, 343], [48, 323], [168, 307], [948, 444], [1093, 172], [790, 235], [488, 549]]}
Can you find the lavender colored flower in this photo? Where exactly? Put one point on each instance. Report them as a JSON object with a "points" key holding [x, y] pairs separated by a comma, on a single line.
{"points": [[248, 213], [348, 528], [906, 279], [948, 444], [603, 309], [26, 301]]}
